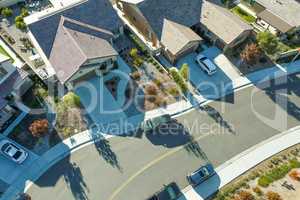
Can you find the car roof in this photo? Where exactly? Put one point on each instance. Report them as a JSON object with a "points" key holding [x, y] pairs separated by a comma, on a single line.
{"points": [[207, 62]]}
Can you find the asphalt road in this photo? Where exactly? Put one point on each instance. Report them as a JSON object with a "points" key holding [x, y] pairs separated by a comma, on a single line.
{"points": [[134, 168]]}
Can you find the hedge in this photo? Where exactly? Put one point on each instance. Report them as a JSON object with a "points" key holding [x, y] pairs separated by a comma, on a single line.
{"points": [[179, 80]]}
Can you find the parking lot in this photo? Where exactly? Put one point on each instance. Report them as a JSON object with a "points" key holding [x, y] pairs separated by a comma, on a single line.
{"points": [[217, 84]]}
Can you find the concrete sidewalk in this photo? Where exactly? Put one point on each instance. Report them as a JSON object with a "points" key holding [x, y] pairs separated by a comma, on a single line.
{"points": [[238, 165]]}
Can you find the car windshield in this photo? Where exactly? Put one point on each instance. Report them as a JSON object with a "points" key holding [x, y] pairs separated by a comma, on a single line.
{"points": [[17, 155], [4, 147], [203, 58]]}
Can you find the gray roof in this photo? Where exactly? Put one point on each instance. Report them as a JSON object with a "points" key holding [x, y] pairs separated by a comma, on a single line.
{"points": [[275, 21], [222, 22], [74, 44], [286, 10], [185, 12], [97, 13], [172, 32]]}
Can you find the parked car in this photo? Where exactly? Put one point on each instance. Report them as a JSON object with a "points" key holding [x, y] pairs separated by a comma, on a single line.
{"points": [[153, 123], [206, 64], [12, 151], [200, 175], [169, 192]]}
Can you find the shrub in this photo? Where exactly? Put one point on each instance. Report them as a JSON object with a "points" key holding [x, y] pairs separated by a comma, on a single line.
{"points": [[264, 181], [24, 12], [158, 82], [151, 89], [137, 62], [179, 80], [133, 53], [19, 19], [257, 191], [39, 127], [295, 175], [268, 42], [71, 100], [294, 163], [136, 75], [6, 12], [244, 195], [21, 25], [41, 92], [250, 54], [173, 91], [273, 196], [185, 71]]}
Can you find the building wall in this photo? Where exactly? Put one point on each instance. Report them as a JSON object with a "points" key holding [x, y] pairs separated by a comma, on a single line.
{"points": [[190, 47], [91, 67]]}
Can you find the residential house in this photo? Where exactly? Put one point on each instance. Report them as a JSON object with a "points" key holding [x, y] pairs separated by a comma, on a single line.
{"points": [[279, 16], [14, 83], [76, 41], [170, 25]]}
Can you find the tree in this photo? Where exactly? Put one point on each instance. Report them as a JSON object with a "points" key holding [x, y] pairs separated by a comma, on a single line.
{"points": [[39, 127], [133, 53], [6, 12], [268, 42], [71, 100], [20, 24], [250, 54], [185, 71], [179, 79], [273, 196]]}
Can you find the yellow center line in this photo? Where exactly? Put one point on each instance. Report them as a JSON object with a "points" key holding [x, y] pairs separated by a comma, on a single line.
{"points": [[150, 164]]}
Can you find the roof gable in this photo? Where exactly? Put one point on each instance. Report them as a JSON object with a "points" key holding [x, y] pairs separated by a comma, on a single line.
{"points": [[185, 12], [176, 32], [74, 44], [97, 13]]}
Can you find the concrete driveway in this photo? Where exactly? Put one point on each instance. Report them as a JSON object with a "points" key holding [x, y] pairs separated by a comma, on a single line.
{"points": [[11, 170], [105, 112], [211, 87]]}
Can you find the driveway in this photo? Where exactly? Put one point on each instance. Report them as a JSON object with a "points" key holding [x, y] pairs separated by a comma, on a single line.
{"points": [[211, 87], [11, 170], [106, 111], [146, 164]]}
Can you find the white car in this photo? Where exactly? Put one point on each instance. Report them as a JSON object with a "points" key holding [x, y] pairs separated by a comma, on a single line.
{"points": [[12, 151], [207, 65]]}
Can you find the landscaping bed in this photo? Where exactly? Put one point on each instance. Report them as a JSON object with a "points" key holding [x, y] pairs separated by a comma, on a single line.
{"points": [[243, 14], [277, 178]]}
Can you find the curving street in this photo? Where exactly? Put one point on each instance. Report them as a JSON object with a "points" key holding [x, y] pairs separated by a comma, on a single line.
{"points": [[124, 168]]}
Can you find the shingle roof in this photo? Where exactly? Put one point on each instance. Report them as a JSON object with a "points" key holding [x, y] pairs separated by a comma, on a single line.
{"points": [[74, 44], [275, 21], [97, 13], [222, 22], [185, 12], [176, 36], [286, 10]]}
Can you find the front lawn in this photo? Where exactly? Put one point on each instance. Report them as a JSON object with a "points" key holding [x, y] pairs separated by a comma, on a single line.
{"points": [[243, 14]]}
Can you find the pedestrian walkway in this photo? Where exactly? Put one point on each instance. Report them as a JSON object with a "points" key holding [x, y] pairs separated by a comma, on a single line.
{"points": [[243, 162]]}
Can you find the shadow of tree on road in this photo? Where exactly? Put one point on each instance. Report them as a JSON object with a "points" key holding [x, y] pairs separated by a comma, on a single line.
{"points": [[217, 117], [75, 182], [104, 149], [193, 148]]}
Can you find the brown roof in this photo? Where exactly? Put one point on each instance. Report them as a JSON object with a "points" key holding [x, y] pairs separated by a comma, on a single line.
{"points": [[176, 36], [222, 22], [74, 44], [275, 21]]}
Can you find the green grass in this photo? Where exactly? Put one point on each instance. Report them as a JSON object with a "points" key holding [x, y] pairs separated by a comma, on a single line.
{"points": [[3, 52], [243, 14]]}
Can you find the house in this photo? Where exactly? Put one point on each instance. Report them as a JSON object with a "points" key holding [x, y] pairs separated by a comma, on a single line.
{"points": [[75, 41], [170, 25], [14, 83], [279, 16]]}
